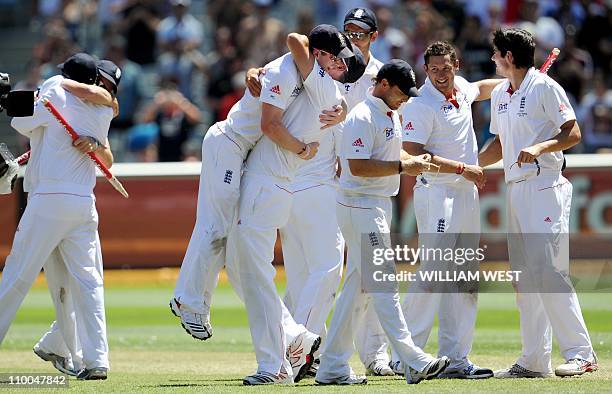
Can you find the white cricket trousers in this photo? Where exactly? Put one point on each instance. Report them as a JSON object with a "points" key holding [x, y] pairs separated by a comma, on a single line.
{"points": [[218, 194], [69, 223], [370, 339], [538, 229], [265, 205], [365, 217], [448, 216], [63, 335], [313, 253]]}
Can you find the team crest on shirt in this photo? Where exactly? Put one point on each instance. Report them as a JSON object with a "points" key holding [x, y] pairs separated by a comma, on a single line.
{"points": [[321, 72], [447, 108], [502, 108], [389, 133], [347, 87], [522, 107]]}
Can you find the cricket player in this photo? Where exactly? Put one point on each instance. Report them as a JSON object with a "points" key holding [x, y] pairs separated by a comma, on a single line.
{"points": [[439, 122], [266, 198], [361, 26], [371, 151], [534, 122], [61, 345], [61, 210]]}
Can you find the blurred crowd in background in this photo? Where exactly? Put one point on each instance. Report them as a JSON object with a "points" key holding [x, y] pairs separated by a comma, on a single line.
{"points": [[184, 62]]}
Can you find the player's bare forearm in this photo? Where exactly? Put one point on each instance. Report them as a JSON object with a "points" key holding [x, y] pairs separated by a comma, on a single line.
{"points": [[303, 58], [567, 138], [491, 154], [93, 94], [272, 127], [372, 168], [446, 165], [485, 87]]}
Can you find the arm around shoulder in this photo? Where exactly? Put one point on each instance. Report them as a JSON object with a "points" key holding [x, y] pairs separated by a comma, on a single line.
{"points": [[302, 56]]}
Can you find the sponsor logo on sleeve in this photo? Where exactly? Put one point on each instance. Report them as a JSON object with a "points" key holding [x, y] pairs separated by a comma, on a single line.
{"points": [[409, 126], [563, 107], [275, 89], [358, 143]]}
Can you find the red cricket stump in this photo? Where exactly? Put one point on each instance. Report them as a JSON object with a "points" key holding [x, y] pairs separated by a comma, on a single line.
{"points": [[109, 176], [552, 56]]}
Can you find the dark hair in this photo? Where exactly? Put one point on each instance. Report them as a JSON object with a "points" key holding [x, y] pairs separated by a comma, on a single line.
{"points": [[518, 41], [440, 48]]}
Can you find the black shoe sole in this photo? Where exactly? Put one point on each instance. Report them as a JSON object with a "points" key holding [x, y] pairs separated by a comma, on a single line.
{"points": [[309, 360]]}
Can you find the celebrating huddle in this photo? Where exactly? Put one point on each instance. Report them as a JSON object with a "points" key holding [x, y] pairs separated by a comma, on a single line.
{"points": [[326, 107]]}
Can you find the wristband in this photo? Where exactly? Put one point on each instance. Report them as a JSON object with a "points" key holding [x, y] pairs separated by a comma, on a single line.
{"points": [[399, 167], [460, 169], [303, 149]]}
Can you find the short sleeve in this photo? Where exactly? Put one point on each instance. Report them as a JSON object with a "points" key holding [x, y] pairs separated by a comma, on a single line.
{"points": [[555, 103], [471, 91], [322, 89], [277, 87], [418, 122], [357, 139]]}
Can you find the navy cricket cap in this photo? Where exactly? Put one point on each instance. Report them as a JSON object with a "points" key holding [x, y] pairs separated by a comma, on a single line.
{"points": [[398, 72], [111, 72], [356, 66], [362, 17], [80, 67], [329, 39]]}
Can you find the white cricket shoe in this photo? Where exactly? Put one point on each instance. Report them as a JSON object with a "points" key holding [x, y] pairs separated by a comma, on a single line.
{"points": [[379, 368], [431, 370], [261, 378], [472, 371], [343, 380], [397, 367], [196, 324], [98, 373], [60, 363], [516, 371], [300, 353], [576, 367]]}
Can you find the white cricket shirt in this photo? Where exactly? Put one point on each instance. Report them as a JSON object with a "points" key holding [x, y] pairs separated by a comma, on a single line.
{"points": [[283, 86], [533, 113], [300, 117], [58, 167], [444, 128], [371, 131]]}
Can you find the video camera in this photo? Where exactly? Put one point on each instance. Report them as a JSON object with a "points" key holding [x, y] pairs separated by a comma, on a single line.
{"points": [[17, 103]]}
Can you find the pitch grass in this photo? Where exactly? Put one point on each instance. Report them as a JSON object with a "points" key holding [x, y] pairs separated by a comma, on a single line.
{"points": [[150, 352]]}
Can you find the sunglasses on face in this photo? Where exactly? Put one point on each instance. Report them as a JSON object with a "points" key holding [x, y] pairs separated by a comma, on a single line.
{"points": [[357, 35]]}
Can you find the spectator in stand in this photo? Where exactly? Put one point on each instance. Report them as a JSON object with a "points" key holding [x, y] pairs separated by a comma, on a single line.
{"points": [[596, 113], [227, 101], [261, 38], [179, 37], [222, 64], [139, 26], [55, 47], [176, 116]]}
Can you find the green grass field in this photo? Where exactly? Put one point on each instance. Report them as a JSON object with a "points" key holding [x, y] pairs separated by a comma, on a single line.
{"points": [[150, 352]]}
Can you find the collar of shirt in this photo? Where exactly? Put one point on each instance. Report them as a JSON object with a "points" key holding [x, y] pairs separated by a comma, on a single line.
{"points": [[530, 74], [432, 91], [379, 104]]}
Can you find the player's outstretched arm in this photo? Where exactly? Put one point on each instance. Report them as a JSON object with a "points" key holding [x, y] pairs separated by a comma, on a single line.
{"points": [[485, 87], [93, 94], [252, 82], [302, 56], [490, 153]]}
